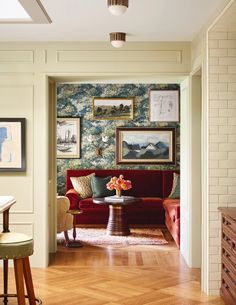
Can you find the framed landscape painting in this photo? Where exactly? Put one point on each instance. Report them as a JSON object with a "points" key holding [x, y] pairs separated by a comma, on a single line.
{"points": [[145, 145], [68, 137], [12, 145], [113, 108], [164, 105]]}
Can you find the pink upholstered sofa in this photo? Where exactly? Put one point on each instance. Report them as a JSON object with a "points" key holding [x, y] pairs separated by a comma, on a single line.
{"points": [[151, 186]]}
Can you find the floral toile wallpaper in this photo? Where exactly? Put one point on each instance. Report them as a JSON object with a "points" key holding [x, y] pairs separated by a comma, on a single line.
{"points": [[75, 100]]}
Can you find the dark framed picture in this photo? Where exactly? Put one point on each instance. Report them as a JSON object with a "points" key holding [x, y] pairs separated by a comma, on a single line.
{"points": [[145, 145], [12, 145], [68, 137], [164, 105], [113, 108]]}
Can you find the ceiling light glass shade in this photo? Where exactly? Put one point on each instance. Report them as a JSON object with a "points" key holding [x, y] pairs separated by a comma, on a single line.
{"points": [[117, 7], [117, 43], [117, 39]]}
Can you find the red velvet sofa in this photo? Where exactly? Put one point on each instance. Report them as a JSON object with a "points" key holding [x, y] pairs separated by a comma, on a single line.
{"points": [[172, 209], [151, 186]]}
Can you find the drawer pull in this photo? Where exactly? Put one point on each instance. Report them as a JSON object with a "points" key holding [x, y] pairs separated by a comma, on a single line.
{"points": [[226, 286]]}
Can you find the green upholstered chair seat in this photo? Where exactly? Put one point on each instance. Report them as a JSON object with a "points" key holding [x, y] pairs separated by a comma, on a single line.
{"points": [[15, 245]]}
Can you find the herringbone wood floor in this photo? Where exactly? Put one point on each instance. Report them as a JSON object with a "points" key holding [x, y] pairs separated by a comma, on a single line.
{"points": [[134, 275]]}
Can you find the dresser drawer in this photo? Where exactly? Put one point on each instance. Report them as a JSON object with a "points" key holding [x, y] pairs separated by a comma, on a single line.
{"points": [[229, 223], [229, 289], [228, 270], [227, 255], [227, 297], [229, 240]]}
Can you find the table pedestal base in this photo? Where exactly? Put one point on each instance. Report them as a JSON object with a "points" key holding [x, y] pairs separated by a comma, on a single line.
{"points": [[117, 223], [74, 244]]}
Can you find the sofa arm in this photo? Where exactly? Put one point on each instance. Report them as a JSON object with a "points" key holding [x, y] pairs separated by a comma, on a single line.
{"points": [[172, 207], [74, 198]]}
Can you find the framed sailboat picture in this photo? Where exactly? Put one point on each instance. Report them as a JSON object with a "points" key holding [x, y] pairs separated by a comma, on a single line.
{"points": [[68, 137]]}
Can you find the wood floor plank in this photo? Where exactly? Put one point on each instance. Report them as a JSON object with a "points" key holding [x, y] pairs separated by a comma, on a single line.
{"points": [[191, 290], [112, 275]]}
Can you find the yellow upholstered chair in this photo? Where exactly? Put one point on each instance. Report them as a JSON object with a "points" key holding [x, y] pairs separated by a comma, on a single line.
{"points": [[64, 219]]}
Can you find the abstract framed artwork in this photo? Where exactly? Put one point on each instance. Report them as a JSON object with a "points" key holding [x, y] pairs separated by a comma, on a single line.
{"points": [[113, 108], [145, 145], [12, 145], [68, 137], [164, 105]]}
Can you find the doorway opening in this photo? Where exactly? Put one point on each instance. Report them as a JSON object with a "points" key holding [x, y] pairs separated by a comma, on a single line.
{"points": [[190, 91]]}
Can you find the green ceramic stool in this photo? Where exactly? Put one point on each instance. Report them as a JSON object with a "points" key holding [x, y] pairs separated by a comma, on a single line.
{"points": [[18, 247]]}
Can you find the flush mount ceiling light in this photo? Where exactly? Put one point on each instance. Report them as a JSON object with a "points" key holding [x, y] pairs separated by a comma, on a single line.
{"points": [[117, 7], [117, 39]]}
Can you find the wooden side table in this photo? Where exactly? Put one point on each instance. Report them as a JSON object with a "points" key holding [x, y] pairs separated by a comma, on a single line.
{"points": [[117, 223], [74, 243]]}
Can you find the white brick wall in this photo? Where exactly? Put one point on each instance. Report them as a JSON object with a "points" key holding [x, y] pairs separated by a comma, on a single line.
{"points": [[222, 140]]}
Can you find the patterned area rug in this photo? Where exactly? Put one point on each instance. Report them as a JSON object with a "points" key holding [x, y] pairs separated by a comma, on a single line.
{"points": [[98, 236]]}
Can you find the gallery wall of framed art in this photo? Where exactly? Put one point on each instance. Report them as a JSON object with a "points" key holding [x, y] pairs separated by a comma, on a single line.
{"points": [[121, 106]]}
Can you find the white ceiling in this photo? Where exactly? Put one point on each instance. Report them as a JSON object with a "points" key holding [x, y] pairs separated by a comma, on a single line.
{"points": [[90, 20]]}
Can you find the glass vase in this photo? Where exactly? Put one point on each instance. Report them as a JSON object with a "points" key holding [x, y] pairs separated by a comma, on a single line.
{"points": [[118, 193]]}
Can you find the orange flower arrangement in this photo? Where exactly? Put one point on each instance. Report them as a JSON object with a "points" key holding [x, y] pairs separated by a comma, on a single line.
{"points": [[119, 184]]}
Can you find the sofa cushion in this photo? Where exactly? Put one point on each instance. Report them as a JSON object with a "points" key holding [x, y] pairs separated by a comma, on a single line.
{"points": [[146, 205], [88, 203], [172, 207], [167, 176], [99, 186], [82, 185], [175, 192]]}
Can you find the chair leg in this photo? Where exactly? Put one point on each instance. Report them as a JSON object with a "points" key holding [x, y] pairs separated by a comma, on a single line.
{"points": [[5, 280], [66, 237], [19, 277], [28, 281]]}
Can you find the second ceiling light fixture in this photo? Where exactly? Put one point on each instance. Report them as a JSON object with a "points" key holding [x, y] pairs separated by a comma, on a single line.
{"points": [[117, 8]]}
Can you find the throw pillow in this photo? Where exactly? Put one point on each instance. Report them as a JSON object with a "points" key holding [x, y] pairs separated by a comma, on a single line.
{"points": [[99, 187], [82, 185], [175, 192]]}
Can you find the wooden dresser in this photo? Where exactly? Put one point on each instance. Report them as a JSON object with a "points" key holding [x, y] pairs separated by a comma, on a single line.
{"points": [[228, 270]]}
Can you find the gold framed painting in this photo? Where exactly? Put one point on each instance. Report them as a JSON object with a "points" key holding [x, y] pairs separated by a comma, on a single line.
{"points": [[113, 108]]}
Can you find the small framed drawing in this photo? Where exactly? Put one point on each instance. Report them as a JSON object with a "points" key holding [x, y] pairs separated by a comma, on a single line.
{"points": [[68, 137], [145, 145], [113, 108], [12, 145], [164, 105]]}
